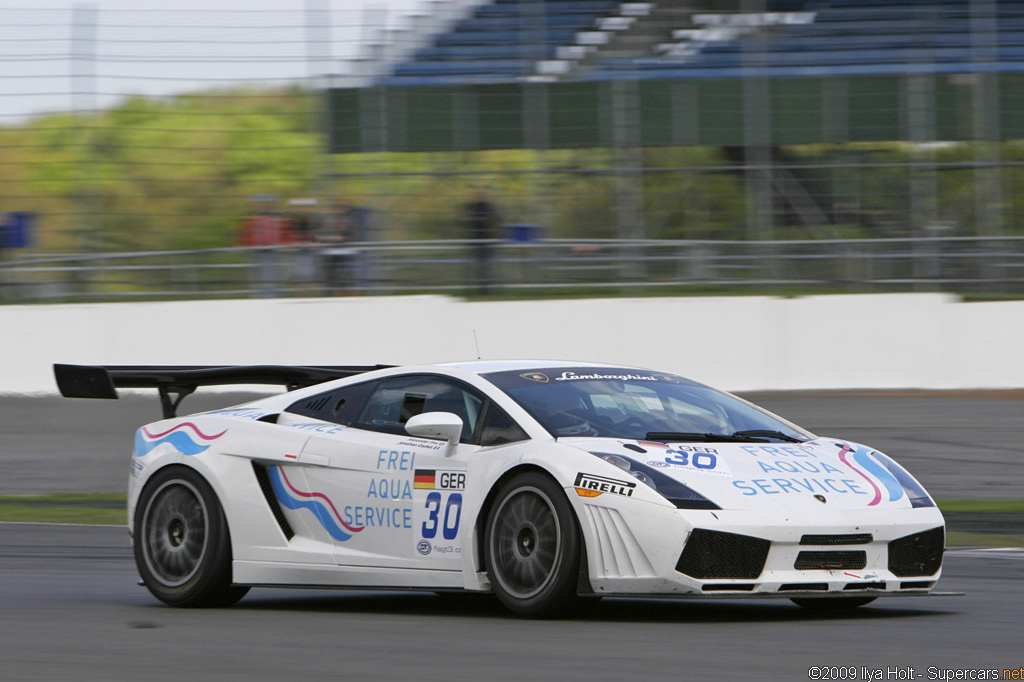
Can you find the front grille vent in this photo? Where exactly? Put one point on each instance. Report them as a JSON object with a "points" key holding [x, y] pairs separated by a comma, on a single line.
{"points": [[851, 539], [804, 587], [830, 561], [729, 587], [919, 554], [877, 585], [711, 554], [917, 584]]}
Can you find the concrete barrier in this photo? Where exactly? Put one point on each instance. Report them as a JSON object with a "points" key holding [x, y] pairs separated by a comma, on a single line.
{"points": [[890, 341]]}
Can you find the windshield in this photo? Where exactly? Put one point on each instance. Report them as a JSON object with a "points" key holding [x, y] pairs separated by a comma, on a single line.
{"points": [[637, 404]]}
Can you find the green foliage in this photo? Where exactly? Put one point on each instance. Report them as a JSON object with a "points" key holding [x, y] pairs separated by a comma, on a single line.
{"points": [[177, 173], [108, 509], [696, 199], [159, 174]]}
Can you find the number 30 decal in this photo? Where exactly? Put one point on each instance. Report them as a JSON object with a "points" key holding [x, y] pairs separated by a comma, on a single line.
{"points": [[450, 525]]}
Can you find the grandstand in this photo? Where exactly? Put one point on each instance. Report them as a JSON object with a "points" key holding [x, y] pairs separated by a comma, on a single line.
{"points": [[592, 73], [753, 79], [545, 40]]}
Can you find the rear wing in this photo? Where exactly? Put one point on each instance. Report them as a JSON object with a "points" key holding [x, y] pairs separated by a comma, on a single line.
{"points": [[177, 381]]}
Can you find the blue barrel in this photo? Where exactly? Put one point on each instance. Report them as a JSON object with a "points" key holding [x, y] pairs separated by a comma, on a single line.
{"points": [[523, 233], [16, 229]]}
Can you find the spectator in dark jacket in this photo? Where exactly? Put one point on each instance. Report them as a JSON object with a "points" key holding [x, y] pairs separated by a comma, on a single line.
{"points": [[481, 225]]}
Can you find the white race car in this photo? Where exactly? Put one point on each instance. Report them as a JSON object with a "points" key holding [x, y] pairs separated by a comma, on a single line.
{"points": [[538, 481]]}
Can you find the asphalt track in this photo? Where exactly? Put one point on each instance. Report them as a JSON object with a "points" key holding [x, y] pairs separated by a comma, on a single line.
{"points": [[71, 612], [960, 446]]}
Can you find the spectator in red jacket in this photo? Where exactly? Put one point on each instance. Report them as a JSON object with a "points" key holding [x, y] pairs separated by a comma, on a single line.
{"points": [[265, 229]]}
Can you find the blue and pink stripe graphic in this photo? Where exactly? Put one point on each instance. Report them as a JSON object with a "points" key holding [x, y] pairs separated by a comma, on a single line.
{"points": [[186, 438], [318, 503], [862, 457]]}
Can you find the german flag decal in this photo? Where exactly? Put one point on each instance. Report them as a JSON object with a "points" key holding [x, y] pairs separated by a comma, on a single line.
{"points": [[424, 479], [434, 479]]}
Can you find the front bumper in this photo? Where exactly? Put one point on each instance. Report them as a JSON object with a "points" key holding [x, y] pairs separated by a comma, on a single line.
{"points": [[736, 553]]}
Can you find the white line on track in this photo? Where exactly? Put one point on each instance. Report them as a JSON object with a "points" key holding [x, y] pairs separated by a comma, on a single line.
{"points": [[987, 552]]}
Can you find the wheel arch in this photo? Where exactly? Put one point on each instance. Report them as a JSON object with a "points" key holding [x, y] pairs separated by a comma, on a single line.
{"points": [[480, 526], [204, 473], [152, 475]]}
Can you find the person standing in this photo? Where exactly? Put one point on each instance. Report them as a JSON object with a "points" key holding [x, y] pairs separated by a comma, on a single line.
{"points": [[336, 256], [481, 226], [360, 231], [304, 229], [265, 230]]}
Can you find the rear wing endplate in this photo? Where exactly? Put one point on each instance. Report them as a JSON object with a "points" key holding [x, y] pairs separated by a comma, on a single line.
{"points": [[177, 381]]}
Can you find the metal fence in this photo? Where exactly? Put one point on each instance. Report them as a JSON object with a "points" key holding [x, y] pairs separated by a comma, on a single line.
{"points": [[911, 180], [611, 267]]}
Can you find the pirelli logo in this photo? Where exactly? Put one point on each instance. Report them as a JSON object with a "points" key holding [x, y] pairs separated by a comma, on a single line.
{"points": [[589, 485]]}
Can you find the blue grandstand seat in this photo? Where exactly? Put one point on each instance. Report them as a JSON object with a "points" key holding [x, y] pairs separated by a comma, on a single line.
{"points": [[832, 58], [508, 9], [545, 3], [502, 40], [504, 67], [504, 51], [579, 22], [549, 37]]}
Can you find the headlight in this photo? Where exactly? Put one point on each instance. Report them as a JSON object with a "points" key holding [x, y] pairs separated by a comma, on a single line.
{"points": [[918, 496], [682, 496]]}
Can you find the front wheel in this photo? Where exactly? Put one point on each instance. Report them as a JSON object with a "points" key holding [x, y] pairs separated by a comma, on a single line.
{"points": [[182, 545], [825, 605], [533, 547]]}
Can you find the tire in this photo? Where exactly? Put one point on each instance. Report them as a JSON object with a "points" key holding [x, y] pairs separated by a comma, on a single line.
{"points": [[182, 544], [533, 547], [824, 605]]}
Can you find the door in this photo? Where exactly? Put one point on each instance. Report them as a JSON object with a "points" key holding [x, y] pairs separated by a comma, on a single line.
{"points": [[396, 499]]}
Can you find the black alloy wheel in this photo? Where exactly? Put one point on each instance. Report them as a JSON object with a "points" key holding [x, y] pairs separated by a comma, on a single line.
{"points": [[182, 544], [533, 547]]}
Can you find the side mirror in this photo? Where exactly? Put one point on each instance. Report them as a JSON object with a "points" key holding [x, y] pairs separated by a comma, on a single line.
{"points": [[441, 425]]}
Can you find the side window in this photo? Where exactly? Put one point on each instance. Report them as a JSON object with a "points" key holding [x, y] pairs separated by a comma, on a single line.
{"points": [[394, 401], [498, 428], [339, 406]]}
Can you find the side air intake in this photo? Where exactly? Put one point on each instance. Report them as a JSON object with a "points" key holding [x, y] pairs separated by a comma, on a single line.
{"points": [[919, 554], [268, 492]]}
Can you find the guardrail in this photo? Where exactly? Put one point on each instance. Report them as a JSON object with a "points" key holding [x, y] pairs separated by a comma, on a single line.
{"points": [[961, 264]]}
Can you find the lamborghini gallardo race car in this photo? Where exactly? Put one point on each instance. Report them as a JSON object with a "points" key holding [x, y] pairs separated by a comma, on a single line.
{"points": [[541, 482]]}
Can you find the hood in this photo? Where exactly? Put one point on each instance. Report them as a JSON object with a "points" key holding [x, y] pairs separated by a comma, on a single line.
{"points": [[816, 475]]}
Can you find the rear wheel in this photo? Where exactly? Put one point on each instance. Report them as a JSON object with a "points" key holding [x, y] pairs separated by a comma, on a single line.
{"points": [[533, 547], [182, 544], [835, 604]]}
